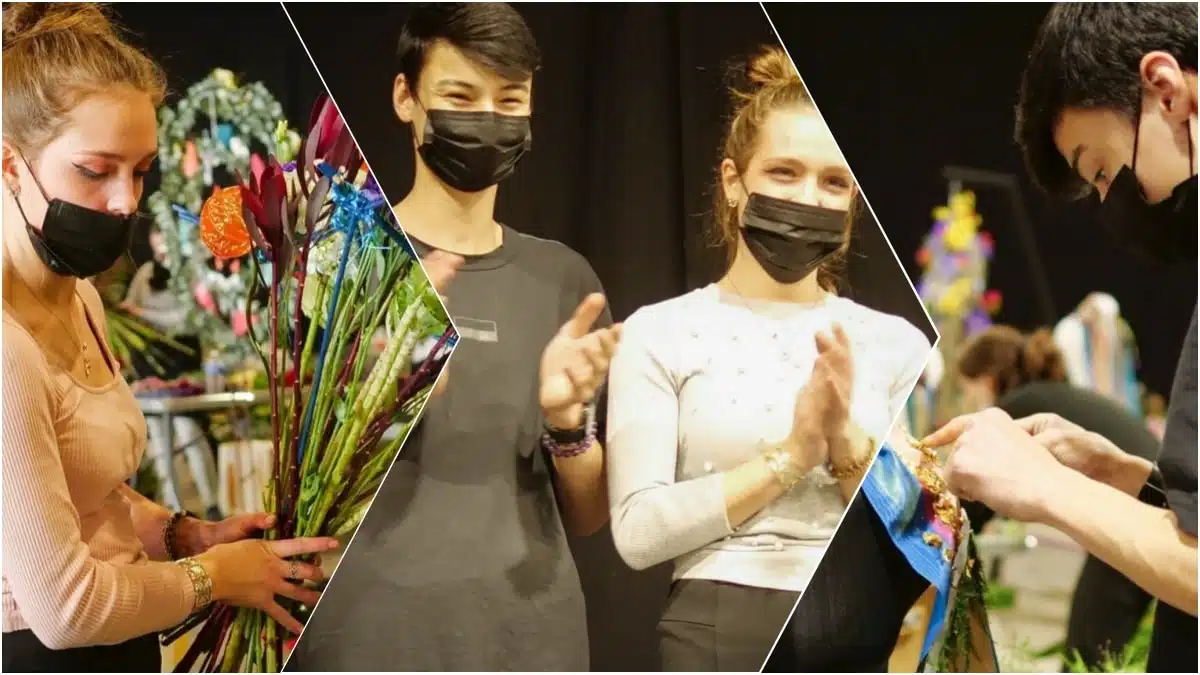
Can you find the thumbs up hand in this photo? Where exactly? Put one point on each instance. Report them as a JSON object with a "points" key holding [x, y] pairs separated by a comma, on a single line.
{"points": [[575, 363]]}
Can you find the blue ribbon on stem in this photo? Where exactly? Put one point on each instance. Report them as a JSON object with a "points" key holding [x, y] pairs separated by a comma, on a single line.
{"points": [[351, 208]]}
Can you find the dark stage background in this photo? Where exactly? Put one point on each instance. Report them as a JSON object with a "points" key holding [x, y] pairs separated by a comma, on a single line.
{"points": [[629, 112], [910, 88], [253, 40]]}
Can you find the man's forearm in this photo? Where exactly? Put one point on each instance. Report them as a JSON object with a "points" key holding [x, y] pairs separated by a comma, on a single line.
{"points": [[1128, 473], [1141, 542], [583, 490]]}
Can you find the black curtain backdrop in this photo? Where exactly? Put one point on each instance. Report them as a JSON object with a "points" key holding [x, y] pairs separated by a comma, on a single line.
{"points": [[629, 112], [253, 40], [910, 88]]}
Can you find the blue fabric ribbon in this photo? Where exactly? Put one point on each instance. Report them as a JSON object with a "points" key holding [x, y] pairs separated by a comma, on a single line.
{"points": [[356, 215], [898, 499]]}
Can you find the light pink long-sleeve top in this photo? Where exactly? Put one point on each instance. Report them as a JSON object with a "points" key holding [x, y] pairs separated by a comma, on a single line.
{"points": [[74, 570]]}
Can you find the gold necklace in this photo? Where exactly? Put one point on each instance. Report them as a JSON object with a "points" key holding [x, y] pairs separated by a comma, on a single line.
{"points": [[83, 350]]}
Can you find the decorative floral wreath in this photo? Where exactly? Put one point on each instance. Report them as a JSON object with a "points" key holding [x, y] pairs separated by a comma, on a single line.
{"points": [[237, 117]]}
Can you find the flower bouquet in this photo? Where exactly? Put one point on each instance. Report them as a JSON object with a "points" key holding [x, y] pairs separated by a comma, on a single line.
{"points": [[338, 272]]}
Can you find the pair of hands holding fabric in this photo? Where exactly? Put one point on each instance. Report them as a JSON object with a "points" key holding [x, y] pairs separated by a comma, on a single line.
{"points": [[822, 408], [574, 362], [1011, 465]]}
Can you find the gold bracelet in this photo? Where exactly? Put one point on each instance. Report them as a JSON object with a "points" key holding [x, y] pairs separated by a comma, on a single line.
{"points": [[857, 466], [202, 584], [783, 465]]}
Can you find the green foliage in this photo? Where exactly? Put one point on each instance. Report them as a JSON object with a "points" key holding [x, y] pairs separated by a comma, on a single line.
{"points": [[1000, 597]]}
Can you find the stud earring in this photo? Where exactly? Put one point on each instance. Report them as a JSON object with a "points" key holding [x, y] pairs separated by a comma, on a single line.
{"points": [[732, 203]]}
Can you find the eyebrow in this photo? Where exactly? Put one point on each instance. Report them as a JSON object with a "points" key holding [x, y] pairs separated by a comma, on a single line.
{"points": [[116, 156], [448, 83], [454, 83]]}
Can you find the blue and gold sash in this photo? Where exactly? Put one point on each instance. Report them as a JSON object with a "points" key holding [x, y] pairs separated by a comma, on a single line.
{"points": [[930, 530]]}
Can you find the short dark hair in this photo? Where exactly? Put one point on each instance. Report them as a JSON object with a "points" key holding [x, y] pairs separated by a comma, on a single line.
{"points": [[1087, 55], [492, 34], [159, 277]]}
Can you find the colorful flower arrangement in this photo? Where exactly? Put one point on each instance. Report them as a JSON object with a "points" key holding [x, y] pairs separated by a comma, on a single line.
{"points": [[953, 285], [954, 260], [323, 243], [214, 126]]}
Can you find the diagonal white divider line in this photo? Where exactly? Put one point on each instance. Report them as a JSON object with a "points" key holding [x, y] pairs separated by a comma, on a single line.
{"points": [[442, 373], [862, 194]]}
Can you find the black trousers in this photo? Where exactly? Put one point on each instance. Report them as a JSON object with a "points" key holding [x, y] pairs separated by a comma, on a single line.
{"points": [[24, 653], [1105, 612], [711, 626], [853, 609]]}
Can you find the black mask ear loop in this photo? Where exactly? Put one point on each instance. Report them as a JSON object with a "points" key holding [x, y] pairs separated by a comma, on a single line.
{"points": [[17, 199], [1137, 137], [35, 233], [426, 138]]}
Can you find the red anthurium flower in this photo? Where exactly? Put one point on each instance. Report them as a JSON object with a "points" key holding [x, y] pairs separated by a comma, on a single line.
{"points": [[326, 125]]}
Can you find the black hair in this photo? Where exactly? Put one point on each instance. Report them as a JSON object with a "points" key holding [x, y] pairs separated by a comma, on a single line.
{"points": [[159, 278], [1088, 55], [492, 34]]}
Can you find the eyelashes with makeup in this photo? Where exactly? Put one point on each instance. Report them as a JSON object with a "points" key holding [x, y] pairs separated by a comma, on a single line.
{"points": [[835, 183], [93, 175]]}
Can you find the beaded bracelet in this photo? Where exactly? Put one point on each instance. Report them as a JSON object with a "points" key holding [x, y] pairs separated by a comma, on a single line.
{"points": [[563, 444], [202, 585], [170, 534]]}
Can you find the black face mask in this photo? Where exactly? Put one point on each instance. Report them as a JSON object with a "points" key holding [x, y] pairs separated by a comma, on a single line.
{"points": [[76, 241], [790, 240], [473, 150], [1165, 231]]}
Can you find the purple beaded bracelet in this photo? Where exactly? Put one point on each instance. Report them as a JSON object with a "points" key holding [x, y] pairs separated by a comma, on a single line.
{"points": [[566, 450]]}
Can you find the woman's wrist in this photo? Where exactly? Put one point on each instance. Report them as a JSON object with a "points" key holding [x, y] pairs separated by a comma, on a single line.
{"points": [[184, 536], [799, 450], [850, 453], [202, 574]]}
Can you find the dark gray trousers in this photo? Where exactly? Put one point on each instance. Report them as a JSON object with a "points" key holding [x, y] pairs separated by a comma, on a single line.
{"points": [[711, 626]]}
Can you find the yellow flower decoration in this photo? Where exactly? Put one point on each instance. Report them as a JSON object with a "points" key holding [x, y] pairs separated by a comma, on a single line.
{"points": [[962, 221], [954, 299], [225, 78]]}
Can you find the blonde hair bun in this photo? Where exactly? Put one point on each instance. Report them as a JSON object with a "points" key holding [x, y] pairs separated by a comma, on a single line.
{"points": [[771, 67], [30, 20]]}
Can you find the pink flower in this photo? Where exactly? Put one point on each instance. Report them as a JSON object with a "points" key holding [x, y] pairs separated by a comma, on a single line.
{"points": [[204, 298], [240, 327]]}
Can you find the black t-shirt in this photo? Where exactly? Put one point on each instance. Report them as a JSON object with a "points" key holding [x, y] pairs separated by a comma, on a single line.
{"points": [[1174, 644], [1088, 409], [462, 562]]}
